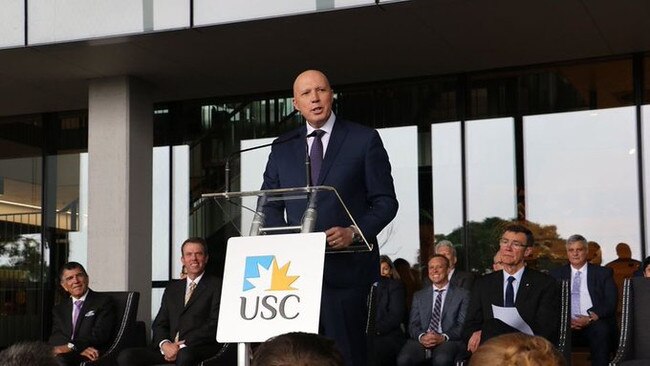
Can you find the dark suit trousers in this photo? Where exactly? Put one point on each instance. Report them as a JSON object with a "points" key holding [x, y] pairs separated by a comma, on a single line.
{"points": [[598, 337], [145, 356], [442, 355], [343, 317], [70, 359]]}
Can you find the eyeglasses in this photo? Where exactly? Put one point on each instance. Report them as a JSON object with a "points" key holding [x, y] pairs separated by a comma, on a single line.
{"points": [[511, 243]]}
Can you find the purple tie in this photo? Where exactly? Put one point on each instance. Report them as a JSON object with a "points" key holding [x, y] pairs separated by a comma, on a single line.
{"points": [[75, 314], [316, 156]]}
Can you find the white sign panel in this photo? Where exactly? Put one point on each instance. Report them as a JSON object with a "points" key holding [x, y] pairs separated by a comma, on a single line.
{"points": [[271, 285]]}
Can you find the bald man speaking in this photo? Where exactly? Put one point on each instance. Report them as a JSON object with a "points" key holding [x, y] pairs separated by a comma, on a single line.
{"points": [[351, 158]]}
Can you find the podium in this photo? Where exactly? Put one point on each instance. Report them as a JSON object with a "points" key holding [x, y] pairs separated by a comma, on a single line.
{"points": [[273, 275]]}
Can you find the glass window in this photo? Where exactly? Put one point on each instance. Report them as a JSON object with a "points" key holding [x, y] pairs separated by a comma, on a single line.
{"points": [[581, 178], [551, 89], [447, 178], [490, 174], [21, 252]]}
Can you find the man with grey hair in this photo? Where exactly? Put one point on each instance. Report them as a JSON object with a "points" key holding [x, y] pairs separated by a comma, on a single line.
{"points": [[28, 354], [593, 300], [457, 277]]}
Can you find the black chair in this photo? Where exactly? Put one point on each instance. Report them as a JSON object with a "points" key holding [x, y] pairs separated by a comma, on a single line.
{"points": [[227, 356], [564, 338], [126, 308], [634, 341]]}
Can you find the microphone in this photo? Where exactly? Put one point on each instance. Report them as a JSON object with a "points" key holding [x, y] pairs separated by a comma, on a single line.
{"points": [[308, 159], [310, 215], [239, 152], [259, 218]]}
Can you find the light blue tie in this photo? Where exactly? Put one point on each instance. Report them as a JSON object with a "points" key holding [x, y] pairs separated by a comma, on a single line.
{"points": [[575, 294]]}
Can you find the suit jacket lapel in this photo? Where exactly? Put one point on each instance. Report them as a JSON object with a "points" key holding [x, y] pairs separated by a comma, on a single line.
{"points": [[299, 146], [339, 132], [67, 316], [446, 309], [591, 281], [497, 296], [200, 287], [88, 303], [427, 308], [524, 288]]}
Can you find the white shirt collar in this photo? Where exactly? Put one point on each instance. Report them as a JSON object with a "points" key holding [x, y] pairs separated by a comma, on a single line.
{"points": [[445, 287], [582, 269], [196, 280], [82, 298], [517, 275], [327, 127]]}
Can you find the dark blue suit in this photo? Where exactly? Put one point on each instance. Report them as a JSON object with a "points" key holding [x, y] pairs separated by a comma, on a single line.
{"points": [[601, 334], [356, 164]]}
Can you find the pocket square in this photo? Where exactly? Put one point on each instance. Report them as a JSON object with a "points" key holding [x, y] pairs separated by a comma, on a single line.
{"points": [[89, 314]]}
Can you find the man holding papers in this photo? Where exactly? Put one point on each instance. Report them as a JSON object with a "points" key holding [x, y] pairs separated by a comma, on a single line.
{"points": [[535, 296]]}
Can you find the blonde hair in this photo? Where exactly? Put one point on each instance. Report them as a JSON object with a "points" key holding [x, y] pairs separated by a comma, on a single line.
{"points": [[516, 349]]}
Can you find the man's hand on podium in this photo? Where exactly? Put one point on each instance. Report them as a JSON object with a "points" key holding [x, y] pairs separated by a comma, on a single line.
{"points": [[340, 237]]}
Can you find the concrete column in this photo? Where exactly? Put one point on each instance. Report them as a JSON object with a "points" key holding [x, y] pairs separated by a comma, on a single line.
{"points": [[120, 144]]}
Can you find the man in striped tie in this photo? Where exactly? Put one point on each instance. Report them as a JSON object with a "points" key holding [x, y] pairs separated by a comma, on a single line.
{"points": [[436, 319]]}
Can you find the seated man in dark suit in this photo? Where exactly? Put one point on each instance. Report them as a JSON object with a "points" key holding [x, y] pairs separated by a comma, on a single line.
{"points": [[436, 320], [82, 324], [457, 277], [593, 301], [535, 295], [185, 329]]}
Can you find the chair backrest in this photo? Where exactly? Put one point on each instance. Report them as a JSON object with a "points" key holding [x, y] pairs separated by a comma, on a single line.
{"points": [[564, 338], [634, 342], [126, 309], [640, 296]]}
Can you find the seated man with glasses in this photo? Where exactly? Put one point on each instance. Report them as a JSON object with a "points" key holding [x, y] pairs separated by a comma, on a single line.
{"points": [[535, 295]]}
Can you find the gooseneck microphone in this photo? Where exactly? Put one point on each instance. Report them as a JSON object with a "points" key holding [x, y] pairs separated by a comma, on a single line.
{"points": [[310, 215], [308, 158], [239, 152]]}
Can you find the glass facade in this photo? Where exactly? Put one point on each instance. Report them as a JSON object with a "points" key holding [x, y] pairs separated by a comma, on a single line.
{"points": [[39, 215], [560, 147]]}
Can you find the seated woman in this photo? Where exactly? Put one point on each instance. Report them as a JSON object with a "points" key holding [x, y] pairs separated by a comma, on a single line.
{"points": [[391, 312]]}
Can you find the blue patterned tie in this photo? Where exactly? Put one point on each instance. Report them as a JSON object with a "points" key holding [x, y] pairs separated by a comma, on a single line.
{"points": [[435, 316], [316, 156], [575, 294], [510, 293]]}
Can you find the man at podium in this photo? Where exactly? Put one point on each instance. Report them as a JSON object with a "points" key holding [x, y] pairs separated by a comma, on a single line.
{"points": [[351, 158]]}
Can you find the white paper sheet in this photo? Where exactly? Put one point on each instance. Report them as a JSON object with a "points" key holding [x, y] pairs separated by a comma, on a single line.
{"points": [[511, 317]]}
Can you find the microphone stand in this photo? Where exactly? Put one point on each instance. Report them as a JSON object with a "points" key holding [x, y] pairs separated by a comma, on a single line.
{"points": [[239, 152]]}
